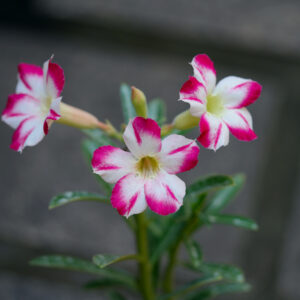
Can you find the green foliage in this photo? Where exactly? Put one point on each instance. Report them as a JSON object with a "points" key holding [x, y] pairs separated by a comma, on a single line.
{"points": [[209, 183], [195, 253], [237, 221], [81, 265], [204, 201], [195, 284], [127, 107], [69, 197], [157, 111], [104, 260], [225, 271], [220, 289], [174, 229], [225, 195], [168, 238]]}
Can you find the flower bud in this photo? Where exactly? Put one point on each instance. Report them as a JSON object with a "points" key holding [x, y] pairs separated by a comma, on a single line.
{"points": [[75, 117], [185, 121], [139, 102]]}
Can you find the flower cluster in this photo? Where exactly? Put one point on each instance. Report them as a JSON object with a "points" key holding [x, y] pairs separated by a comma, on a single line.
{"points": [[146, 174]]}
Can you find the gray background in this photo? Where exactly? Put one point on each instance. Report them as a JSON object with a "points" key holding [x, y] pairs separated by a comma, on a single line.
{"points": [[149, 44]]}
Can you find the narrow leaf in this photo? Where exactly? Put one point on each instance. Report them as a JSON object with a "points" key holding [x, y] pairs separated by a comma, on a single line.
{"points": [[69, 197], [157, 111], [220, 289], [195, 284], [81, 265], [103, 260], [167, 239], [208, 183], [237, 221], [177, 228], [127, 107], [222, 197], [195, 253], [226, 271]]}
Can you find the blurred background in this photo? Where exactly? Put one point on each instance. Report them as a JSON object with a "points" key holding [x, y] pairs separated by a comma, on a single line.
{"points": [[149, 44]]}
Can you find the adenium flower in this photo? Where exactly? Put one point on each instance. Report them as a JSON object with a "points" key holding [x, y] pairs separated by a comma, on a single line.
{"points": [[145, 176], [221, 107], [36, 103]]}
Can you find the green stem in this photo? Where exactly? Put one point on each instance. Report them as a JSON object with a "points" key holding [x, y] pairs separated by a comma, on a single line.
{"points": [[190, 226], [169, 273], [145, 268]]}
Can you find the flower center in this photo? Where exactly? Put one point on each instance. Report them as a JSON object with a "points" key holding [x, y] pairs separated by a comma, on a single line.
{"points": [[147, 166], [46, 105], [215, 105]]}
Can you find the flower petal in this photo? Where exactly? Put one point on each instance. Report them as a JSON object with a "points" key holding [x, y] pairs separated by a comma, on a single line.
{"points": [[54, 78], [165, 193], [30, 80], [238, 92], [194, 93], [213, 132], [204, 71], [142, 137], [178, 154], [20, 107], [29, 133], [112, 163], [239, 122], [128, 195]]}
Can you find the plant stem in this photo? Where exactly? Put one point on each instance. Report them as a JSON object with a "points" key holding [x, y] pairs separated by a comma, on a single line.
{"points": [[190, 226], [169, 273], [145, 268]]}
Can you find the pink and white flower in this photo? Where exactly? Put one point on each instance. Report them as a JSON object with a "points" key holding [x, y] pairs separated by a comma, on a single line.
{"points": [[221, 108], [36, 103], [145, 176]]}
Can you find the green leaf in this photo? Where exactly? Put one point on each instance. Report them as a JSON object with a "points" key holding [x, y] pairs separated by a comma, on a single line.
{"points": [[98, 136], [208, 183], [177, 228], [104, 260], [69, 197], [195, 284], [237, 221], [168, 238], [222, 197], [195, 252], [88, 148], [157, 111], [81, 265], [113, 295], [226, 271], [127, 107], [220, 289]]}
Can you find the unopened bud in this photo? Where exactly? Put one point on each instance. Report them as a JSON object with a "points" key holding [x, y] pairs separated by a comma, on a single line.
{"points": [[139, 102], [185, 121], [75, 117]]}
